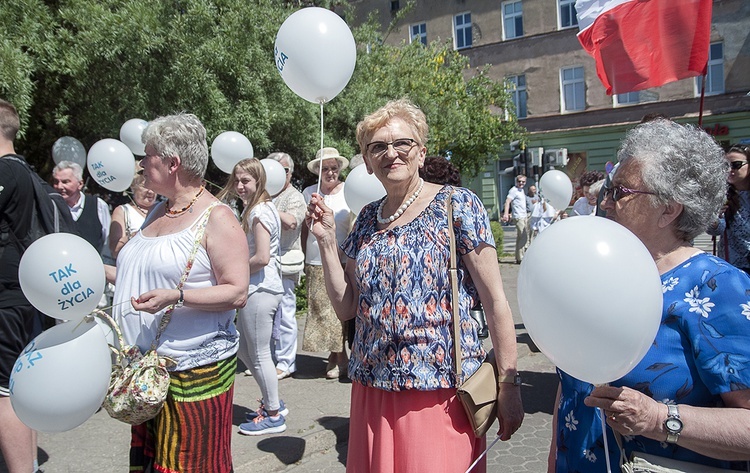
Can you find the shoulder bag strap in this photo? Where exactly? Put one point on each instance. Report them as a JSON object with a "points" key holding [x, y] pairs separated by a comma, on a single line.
{"points": [[453, 274], [198, 239]]}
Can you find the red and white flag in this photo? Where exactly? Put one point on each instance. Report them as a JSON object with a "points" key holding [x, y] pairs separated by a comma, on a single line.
{"points": [[638, 44]]}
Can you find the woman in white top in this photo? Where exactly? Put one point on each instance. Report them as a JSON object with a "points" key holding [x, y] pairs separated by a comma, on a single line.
{"points": [[323, 330], [261, 223], [128, 218], [193, 432]]}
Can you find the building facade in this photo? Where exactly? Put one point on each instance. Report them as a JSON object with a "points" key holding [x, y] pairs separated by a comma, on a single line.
{"points": [[559, 99]]}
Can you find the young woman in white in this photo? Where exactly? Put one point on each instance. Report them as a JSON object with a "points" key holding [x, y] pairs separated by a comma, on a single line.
{"points": [[261, 223]]}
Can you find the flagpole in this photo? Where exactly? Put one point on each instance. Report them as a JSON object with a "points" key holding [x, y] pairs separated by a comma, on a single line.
{"points": [[703, 96]]}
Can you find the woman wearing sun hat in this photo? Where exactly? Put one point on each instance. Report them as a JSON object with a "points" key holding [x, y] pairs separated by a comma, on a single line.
{"points": [[323, 330]]}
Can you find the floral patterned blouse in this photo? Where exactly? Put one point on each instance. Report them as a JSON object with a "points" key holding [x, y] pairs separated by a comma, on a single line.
{"points": [[404, 335], [702, 349]]}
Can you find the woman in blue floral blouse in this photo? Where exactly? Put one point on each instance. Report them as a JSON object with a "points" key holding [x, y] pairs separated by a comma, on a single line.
{"points": [[405, 415], [689, 398]]}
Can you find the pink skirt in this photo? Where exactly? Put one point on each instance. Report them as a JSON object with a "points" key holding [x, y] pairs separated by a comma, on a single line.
{"points": [[410, 430]]}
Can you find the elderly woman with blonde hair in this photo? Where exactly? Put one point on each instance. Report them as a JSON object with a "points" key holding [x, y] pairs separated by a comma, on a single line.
{"points": [[405, 415]]}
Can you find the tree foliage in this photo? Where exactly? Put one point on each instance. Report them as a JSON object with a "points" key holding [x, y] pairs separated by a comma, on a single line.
{"points": [[83, 67]]}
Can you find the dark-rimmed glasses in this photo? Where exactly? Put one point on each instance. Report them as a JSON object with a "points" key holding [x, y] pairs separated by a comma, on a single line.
{"points": [[618, 192], [736, 165], [286, 170], [402, 146]]}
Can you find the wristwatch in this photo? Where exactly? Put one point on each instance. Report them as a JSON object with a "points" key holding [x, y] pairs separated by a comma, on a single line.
{"points": [[515, 379], [673, 424], [181, 300]]}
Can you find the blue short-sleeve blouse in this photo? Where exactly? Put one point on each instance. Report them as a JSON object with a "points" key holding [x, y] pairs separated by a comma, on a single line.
{"points": [[702, 349], [404, 335]]}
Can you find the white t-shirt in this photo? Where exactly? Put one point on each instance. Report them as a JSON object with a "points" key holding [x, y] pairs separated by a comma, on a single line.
{"points": [[341, 216], [582, 207], [541, 218], [269, 278], [517, 203]]}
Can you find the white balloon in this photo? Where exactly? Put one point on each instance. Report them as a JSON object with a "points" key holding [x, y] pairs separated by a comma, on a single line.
{"points": [[111, 164], [361, 188], [61, 378], [315, 54], [62, 275], [599, 320], [275, 175], [229, 148], [67, 148], [130, 134], [556, 187]]}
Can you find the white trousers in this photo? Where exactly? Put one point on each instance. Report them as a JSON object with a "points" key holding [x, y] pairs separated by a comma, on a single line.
{"points": [[285, 351]]}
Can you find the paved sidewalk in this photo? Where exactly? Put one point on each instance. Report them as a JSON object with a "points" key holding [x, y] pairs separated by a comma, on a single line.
{"points": [[316, 437]]}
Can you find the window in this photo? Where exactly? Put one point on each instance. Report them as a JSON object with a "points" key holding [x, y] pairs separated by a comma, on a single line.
{"points": [[629, 98], [462, 30], [518, 94], [512, 20], [573, 89], [715, 76], [568, 17], [419, 33], [395, 6]]}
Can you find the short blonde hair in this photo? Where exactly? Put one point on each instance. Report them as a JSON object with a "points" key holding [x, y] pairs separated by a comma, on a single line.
{"points": [[404, 109]]}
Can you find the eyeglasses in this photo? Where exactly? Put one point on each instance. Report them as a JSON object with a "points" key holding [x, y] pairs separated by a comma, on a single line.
{"points": [[286, 170], [737, 165], [618, 192], [326, 170], [402, 146]]}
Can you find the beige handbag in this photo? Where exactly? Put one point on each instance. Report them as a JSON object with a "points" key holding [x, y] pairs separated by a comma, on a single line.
{"points": [[478, 394], [645, 463]]}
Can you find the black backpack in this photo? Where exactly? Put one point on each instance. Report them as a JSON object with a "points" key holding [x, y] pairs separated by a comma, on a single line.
{"points": [[51, 213]]}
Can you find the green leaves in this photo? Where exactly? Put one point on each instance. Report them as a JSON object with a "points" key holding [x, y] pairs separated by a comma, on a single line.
{"points": [[84, 67]]}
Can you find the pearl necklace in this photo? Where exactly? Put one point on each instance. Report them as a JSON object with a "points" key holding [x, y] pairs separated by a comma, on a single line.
{"points": [[175, 213], [402, 209]]}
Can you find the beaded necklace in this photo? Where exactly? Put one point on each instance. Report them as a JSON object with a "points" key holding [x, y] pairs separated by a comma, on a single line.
{"points": [[402, 209], [175, 213]]}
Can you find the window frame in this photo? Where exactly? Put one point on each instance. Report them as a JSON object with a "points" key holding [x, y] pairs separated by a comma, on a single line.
{"points": [[422, 36], [570, 4], [713, 63], [516, 93], [619, 103], [463, 28], [564, 82], [512, 18]]}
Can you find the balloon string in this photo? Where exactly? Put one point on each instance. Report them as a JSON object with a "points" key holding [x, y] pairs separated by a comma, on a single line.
{"points": [[604, 434], [320, 164], [212, 184], [483, 454]]}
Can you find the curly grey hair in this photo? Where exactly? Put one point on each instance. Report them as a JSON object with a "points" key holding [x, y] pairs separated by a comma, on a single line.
{"points": [[682, 164], [180, 135]]}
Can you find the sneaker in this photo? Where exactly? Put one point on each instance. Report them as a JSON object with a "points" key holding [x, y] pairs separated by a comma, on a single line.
{"points": [[282, 374], [262, 425], [261, 411], [248, 372]]}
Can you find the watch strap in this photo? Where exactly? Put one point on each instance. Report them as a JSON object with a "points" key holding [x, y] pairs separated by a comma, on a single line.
{"points": [[514, 379], [672, 413]]}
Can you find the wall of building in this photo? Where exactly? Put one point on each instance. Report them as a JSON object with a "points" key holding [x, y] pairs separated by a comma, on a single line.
{"points": [[592, 135]]}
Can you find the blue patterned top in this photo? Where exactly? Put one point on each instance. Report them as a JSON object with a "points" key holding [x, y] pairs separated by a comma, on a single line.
{"points": [[702, 349], [734, 245], [404, 335]]}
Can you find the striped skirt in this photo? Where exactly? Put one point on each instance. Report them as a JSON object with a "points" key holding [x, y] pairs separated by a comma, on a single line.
{"points": [[192, 434]]}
